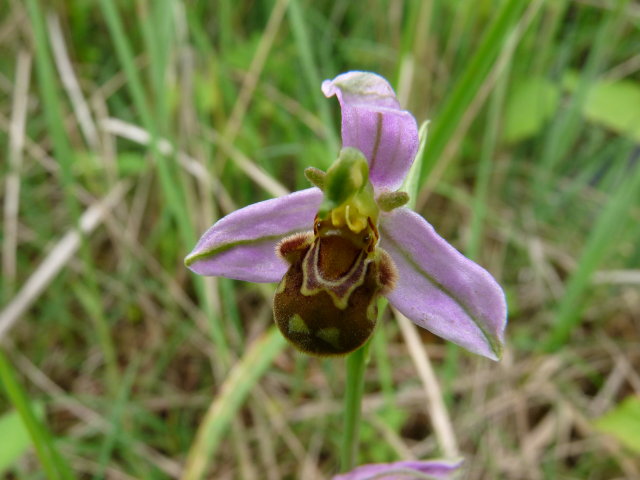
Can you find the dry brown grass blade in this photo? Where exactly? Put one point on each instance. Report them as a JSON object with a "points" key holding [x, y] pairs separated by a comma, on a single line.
{"points": [[437, 410], [256, 67], [191, 165], [58, 257], [70, 82], [16, 146]]}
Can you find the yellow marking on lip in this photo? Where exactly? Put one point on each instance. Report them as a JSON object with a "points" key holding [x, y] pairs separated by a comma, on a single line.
{"points": [[282, 285], [340, 302], [298, 325], [330, 335], [372, 309], [349, 214]]}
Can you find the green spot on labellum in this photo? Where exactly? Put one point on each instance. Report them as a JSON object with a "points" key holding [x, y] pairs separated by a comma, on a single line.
{"points": [[330, 335], [282, 285], [297, 325]]}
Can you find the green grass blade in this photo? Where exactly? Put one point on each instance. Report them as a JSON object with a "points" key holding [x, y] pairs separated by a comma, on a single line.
{"points": [[233, 394], [116, 419], [599, 243], [483, 175], [174, 196], [225, 24], [173, 193], [53, 464], [567, 128], [311, 72], [65, 157], [125, 56], [48, 84], [467, 86]]}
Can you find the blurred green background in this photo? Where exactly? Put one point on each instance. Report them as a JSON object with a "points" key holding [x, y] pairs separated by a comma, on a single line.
{"points": [[128, 127]]}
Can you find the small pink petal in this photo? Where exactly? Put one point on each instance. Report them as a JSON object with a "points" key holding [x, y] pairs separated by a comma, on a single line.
{"points": [[440, 289], [374, 123], [242, 244]]}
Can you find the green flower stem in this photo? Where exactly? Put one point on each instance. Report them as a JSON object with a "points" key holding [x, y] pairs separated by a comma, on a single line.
{"points": [[354, 390], [356, 362]]}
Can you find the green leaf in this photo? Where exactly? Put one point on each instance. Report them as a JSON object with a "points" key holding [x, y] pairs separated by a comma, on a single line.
{"points": [[623, 422], [15, 439], [530, 105], [616, 106]]}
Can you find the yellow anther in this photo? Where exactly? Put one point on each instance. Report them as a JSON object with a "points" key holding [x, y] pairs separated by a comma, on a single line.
{"points": [[349, 214], [355, 221], [337, 216]]}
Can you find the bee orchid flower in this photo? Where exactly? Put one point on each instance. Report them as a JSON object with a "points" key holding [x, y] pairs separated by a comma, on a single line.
{"points": [[336, 247]]}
